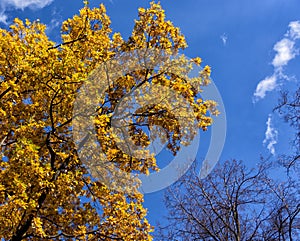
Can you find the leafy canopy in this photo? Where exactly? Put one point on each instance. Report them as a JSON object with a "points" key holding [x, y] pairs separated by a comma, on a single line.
{"points": [[46, 192]]}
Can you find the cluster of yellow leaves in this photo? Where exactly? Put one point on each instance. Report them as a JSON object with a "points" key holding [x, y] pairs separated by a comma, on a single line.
{"points": [[45, 190], [152, 30]]}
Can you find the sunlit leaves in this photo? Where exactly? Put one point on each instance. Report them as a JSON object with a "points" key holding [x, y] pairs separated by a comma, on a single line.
{"points": [[45, 190]]}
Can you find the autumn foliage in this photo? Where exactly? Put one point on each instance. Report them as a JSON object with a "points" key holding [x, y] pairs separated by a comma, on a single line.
{"points": [[46, 192]]}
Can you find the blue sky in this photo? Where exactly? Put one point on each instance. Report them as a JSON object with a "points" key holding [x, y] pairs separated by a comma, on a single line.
{"points": [[252, 47]]}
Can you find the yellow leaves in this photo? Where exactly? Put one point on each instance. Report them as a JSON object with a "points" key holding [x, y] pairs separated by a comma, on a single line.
{"points": [[27, 22], [80, 231], [17, 26], [112, 153], [19, 184], [180, 87], [197, 60], [117, 40], [86, 3], [207, 70], [37, 225], [120, 215], [2, 113], [212, 107], [152, 30], [102, 120], [39, 83], [141, 11]]}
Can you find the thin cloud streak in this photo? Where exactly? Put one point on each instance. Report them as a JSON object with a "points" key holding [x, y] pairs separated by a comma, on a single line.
{"points": [[285, 52], [271, 135], [224, 38], [3, 17]]}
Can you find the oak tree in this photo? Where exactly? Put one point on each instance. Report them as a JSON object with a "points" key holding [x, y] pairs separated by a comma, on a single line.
{"points": [[46, 191]]}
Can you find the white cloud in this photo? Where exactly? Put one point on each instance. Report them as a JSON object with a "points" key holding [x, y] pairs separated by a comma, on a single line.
{"points": [[224, 38], [294, 32], [3, 18], [285, 51], [271, 135], [20, 4], [268, 84], [55, 23]]}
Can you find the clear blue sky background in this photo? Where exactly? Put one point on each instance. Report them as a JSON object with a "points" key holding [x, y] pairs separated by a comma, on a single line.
{"points": [[245, 42]]}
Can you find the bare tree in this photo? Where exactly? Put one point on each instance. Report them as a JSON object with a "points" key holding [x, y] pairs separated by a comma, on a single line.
{"points": [[232, 203], [284, 223], [289, 108]]}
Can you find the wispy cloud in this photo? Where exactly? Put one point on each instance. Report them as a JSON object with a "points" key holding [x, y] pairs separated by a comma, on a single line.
{"points": [[224, 38], [20, 4], [285, 51], [56, 21], [3, 17], [267, 84], [271, 135], [294, 31]]}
